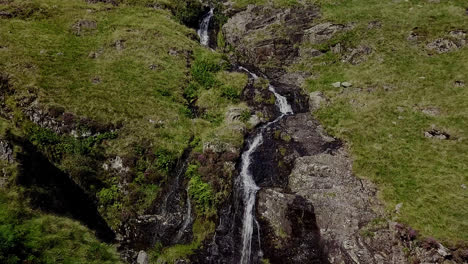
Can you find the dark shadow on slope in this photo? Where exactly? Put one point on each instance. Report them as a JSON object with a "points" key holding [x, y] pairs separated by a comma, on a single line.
{"points": [[51, 190]]}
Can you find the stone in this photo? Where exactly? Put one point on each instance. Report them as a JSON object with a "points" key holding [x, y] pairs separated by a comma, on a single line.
{"points": [[254, 33], [437, 134], [116, 164], [337, 49], [357, 55], [322, 32], [290, 233], [142, 257], [463, 186], [374, 24], [398, 208], [343, 205], [346, 84], [218, 146], [119, 44], [173, 52], [459, 83], [443, 251], [96, 80], [316, 99], [6, 151], [336, 84], [431, 111], [5, 14], [442, 45], [83, 25]]}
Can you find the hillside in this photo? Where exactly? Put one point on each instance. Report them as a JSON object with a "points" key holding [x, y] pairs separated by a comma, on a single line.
{"points": [[123, 139]]}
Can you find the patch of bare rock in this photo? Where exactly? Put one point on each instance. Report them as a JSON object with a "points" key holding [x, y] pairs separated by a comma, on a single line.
{"points": [[454, 40]]}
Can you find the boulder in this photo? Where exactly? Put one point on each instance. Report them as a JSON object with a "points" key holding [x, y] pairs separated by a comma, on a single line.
{"points": [[289, 231], [142, 257], [83, 25], [316, 100]]}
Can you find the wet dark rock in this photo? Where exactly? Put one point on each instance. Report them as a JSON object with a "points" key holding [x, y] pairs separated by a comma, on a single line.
{"points": [[162, 222], [82, 26], [289, 231]]}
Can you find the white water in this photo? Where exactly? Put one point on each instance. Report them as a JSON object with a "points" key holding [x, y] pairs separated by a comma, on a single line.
{"points": [[250, 189], [187, 219], [204, 27]]}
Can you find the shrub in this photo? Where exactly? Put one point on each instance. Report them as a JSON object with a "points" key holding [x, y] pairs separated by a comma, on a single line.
{"points": [[201, 192]]}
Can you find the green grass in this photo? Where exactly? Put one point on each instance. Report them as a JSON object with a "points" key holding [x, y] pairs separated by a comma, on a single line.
{"points": [[383, 124], [145, 88], [27, 236]]}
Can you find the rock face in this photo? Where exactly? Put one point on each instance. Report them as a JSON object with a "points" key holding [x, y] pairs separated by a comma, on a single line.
{"points": [[291, 233], [6, 151], [343, 205], [265, 36]]}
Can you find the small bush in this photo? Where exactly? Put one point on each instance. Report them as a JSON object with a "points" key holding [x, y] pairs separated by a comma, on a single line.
{"points": [[201, 192]]}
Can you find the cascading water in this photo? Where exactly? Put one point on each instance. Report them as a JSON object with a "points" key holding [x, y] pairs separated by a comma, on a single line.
{"points": [[248, 184], [187, 219], [203, 31]]}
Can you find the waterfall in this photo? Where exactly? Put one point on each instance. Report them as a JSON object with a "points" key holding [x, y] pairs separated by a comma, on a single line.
{"points": [[187, 219], [250, 189], [248, 185], [204, 27]]}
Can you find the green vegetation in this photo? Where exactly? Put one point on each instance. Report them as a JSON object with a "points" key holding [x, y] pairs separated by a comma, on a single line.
{"points": [[204, 198], [136, 73], [201, 230], [201, 193], [29, 237], [381, 117]]}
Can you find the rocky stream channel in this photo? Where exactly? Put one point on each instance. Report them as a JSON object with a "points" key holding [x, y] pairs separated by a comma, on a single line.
{"points": [[295, 198]]}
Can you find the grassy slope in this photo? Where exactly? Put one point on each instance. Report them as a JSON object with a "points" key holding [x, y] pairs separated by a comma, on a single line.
{"points": [[382, 122], [39, 238], [43, 55]]}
